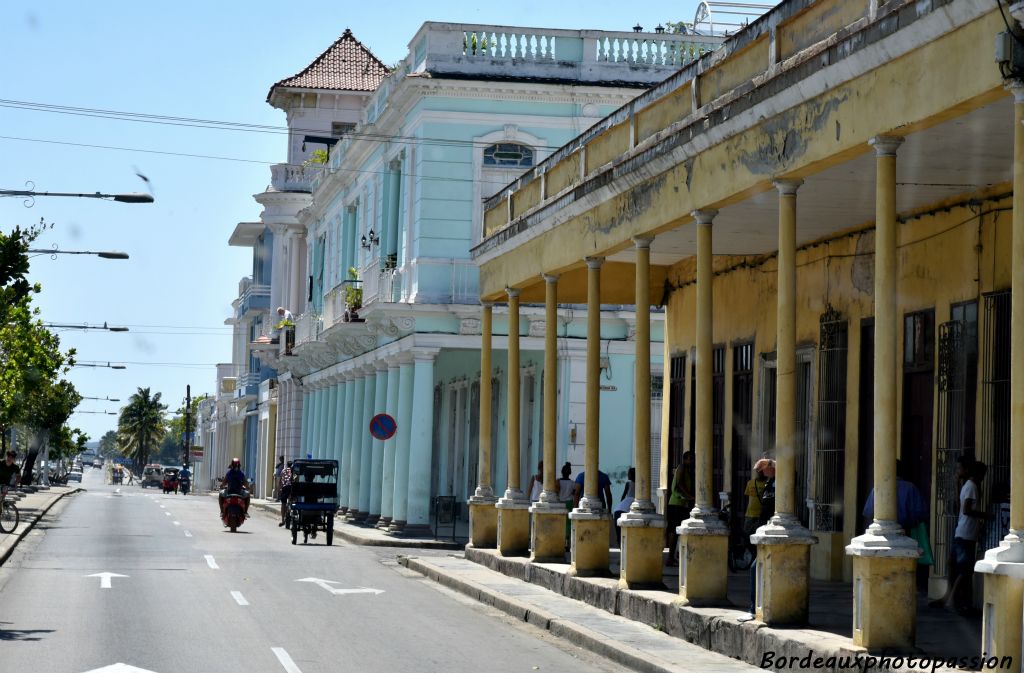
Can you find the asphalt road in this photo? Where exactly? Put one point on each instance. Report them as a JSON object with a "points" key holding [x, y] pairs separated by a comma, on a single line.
{"points": [[197, 598]]}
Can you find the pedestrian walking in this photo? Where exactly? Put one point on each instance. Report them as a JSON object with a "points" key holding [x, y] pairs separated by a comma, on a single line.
{"points": [[680, 501], [766, 466], [286, 492], [277, 477], [964, 550]]}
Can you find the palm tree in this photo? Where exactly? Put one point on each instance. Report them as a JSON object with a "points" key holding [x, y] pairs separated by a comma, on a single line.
{"points": [[141, 426]]}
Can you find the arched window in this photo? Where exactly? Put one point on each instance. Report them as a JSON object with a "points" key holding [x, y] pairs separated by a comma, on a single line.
{"points": [[508, 155]]}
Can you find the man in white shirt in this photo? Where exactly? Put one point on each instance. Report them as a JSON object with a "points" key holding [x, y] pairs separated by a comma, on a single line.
{"points": [[969, 527]]}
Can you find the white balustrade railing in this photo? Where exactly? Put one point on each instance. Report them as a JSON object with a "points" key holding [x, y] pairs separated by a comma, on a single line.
{"points": [[293, 178]]}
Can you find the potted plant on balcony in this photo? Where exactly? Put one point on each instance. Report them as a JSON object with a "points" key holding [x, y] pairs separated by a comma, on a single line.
{"points": [[353, 296]]}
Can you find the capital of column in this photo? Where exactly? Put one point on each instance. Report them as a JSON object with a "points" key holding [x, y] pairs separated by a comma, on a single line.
{"points": [[550, 278], [381, 365], [643, 242], [425, 355], [487, 304], [351, 208], [886, 146], [788, 186], [369, 370], [704, 216], [393, 362], [594, 262], [1016, 87], [513, 292]]}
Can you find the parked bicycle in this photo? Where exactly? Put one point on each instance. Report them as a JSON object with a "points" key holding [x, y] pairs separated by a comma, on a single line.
{"points": [[9, 516]]}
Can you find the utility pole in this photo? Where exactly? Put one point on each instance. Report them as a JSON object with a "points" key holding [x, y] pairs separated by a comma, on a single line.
{"points": [[187, 440]]}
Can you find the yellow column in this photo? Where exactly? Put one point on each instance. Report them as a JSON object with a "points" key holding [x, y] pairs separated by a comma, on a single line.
{"points": [[483, 517], [549, 513], [514, 506], [590, 524], [783, 553], [643, 529], [884, 558], [1003, 566], [703, 538]]}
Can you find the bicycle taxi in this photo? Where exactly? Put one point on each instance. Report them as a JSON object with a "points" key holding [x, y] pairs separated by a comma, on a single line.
{"points": [[314, 499]]}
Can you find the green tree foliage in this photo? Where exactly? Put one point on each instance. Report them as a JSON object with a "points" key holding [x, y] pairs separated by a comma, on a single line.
{"points": [[141, 426], [108, 443]]}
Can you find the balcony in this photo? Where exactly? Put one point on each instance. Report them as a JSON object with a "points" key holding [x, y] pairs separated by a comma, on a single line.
{"points": [[380, 285], [291, 178], [247, 385], [254, 298], [307, 328]]}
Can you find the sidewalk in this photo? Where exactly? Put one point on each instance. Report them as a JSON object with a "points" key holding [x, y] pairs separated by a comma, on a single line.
{"points": [[941, 634], [31, 508], [624, 641], [367, 536]]}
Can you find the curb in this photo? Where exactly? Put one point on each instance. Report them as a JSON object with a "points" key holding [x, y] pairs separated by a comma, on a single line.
{"points": [[362, 541], [6, 553], [583, 637]]}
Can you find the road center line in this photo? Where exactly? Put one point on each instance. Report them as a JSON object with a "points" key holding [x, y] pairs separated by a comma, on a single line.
{"points": [[210, 562], [167, 513], [188, 534], [239, 598], [177, 523], [285, 660]]}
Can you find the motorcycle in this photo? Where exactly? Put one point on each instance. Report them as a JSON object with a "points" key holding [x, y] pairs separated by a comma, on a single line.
{"points": [[233, 509], [184, 483]]}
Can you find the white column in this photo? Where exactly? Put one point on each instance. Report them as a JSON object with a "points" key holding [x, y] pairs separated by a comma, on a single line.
{"points": [[366, 441], [307, 406], [338, 414], [405, 422], [380, 395], [387, 503], [420, 449], [356, 459], [343, 455]]}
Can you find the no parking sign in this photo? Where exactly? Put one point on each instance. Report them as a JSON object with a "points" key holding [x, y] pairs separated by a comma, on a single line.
{"points": [[383, 426]]}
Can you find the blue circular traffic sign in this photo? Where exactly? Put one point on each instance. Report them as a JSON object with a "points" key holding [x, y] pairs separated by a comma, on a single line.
{"points": [[383, 426]]}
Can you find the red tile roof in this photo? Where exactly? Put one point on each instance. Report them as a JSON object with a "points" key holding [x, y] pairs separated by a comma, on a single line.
{"points": [[346, 65]]}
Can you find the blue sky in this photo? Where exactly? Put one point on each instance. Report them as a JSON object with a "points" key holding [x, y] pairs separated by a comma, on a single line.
{"points": [[208, 60]]}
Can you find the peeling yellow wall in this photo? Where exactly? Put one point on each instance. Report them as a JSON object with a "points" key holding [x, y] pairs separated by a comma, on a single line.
{"points": [[663, 112], [816, 23], [563, 174], [738, 69], [944, 258], [611, 144]]}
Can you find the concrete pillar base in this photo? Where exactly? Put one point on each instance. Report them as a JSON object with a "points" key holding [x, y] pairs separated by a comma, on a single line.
{"points": [[483, 523], [783, 571], [396, 526], [513, 528], [884, 588], [641, 563], [384, 523], [703, 562], [355, 516], [371, 519], [589, 547], [417, 530], [548, 537], [1003, 567]]}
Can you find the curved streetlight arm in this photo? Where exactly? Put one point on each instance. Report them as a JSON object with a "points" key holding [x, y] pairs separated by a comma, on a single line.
{"points": [[104, 254], [84, 326], [129, 197]]}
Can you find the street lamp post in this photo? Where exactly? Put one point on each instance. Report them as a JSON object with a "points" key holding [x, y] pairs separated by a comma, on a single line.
{"points": [[130, 197], [85, 326], [104, 254], [98, 364]]}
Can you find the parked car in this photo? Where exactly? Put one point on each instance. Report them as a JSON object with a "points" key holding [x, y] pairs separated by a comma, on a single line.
{"points": [[75, 475], [153, 475]]}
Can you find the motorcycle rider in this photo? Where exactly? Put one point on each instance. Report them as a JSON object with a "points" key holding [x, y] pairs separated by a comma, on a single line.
{"points": [[235, 482], [185, 479]]}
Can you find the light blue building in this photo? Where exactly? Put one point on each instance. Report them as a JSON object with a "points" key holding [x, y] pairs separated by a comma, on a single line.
{"points": [[391, 319]]}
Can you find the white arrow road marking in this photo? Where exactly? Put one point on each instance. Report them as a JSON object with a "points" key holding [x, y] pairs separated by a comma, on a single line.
{"points": [[239, 598], [326, 584], [177, 523], [119, 668], [105, 578], [167, 513], [210, 562], [285, 660], [162, 507], [188, 534]]}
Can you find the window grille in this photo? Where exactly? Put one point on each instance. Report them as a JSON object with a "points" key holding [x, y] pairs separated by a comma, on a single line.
{"points": [[341, 129], [830, 426], [435, 444], [767, 404], [717, 421], [995, 421], [657, 394], [676, 411], [950, 440], [473, 457], [742, 415], [508, 155]]}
